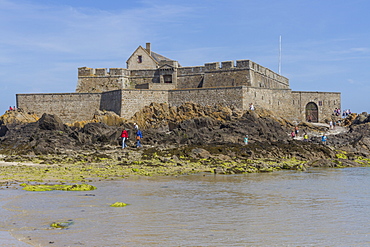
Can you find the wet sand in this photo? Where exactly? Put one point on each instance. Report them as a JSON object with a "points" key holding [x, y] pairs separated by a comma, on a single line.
{"points": [[6, 239]]}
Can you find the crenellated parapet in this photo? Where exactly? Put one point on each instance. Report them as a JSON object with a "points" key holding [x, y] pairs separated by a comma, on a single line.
{"points": [[98, 72]]}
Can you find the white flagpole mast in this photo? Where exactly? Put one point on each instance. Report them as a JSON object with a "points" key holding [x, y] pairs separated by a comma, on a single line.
{"points": [[280, 55]]}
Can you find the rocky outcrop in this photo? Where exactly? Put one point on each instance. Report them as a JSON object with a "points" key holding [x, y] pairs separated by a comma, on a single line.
{"points": [[17, 117], [193, 131]]}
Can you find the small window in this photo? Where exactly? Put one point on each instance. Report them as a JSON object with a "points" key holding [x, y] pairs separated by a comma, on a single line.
{"points": [[320, 103], [167, 78], [139, 59]]}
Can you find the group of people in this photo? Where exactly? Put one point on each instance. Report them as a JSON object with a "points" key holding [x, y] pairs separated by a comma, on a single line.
{"points": [[345, 113], [332, 125], [139, 136], [12, 108], [337, 111], [295, 133]]}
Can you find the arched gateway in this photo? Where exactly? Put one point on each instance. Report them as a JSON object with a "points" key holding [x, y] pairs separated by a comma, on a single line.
{"points": [[312, 113]]}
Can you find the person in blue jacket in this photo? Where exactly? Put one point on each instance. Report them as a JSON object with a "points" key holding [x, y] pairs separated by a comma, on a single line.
{"points": [[323, 139], [139, 135]]}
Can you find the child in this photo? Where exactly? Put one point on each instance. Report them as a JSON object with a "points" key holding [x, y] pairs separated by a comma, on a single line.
{"points": [[305, 137]]}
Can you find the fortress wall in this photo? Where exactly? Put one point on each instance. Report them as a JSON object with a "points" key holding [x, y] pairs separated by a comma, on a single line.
{"points": [[144, 76], [189, 81], [182, 71], [325, 101], [226, 78], [267, 80], [162, 86], [69, 107], [231, 96], [265, 71], [135, 100], [90, 72], [277, 100], [101, 84], [144, 73], [111, 101], [143, 80]]}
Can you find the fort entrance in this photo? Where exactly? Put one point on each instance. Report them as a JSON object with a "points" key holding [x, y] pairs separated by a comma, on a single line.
{"points": [[312, 113]]}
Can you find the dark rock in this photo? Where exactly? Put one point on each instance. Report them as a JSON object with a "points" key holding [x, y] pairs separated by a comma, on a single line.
{"points": [[3, 130], [200, 153], [50, 122]]}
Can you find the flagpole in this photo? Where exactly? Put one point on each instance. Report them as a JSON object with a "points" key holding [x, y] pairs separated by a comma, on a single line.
{"points": [[280, 55]]}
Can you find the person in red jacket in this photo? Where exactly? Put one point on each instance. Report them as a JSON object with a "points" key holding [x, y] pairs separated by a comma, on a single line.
{"points": [[124, 136]]}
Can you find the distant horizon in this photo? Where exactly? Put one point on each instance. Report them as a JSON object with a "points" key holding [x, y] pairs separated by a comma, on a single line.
{"points": [[325, 44]]}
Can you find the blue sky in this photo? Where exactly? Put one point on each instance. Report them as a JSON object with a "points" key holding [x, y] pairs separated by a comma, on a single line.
{"points": [[325, 43]]}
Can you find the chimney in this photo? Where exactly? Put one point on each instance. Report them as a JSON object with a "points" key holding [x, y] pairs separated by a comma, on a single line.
{"points": [[148, 47]]}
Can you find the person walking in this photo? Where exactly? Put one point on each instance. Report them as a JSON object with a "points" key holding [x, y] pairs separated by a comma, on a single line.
{"points": [[305, 137], [139, 136], [124, 136], [246, 139], [296, 131], [324, 139]]}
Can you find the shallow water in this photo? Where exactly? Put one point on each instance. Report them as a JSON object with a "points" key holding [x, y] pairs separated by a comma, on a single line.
{"points": [[321, 207]]}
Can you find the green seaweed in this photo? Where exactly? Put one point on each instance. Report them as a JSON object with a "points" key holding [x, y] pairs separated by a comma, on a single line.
{"points": [[64, 187], [119, 204], [62, 225]]}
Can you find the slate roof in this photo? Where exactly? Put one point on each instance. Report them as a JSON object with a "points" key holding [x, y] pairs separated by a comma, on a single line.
{"points": [[157, 57]]}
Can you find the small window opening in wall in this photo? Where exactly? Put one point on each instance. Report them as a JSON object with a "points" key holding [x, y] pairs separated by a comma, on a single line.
{"points": [[167, 78], [293, 102], [320, 103], [139, 59]]}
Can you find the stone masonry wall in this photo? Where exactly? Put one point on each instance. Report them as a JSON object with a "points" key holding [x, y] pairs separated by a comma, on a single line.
{"points": [[101, 84], [325, 101], [275, 100], [101, 80], [69, 107], [227, 78], [232, 96], [146, 62], [224, 74], [135, 100], [111, 101]]}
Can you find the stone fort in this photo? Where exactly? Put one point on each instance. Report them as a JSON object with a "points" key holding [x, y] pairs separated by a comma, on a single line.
{"points": [[151, 77]]}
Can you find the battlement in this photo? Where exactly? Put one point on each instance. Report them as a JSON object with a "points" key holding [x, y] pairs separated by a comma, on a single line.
{"points": [[98, 72], [183, 71], [245, 64]]}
